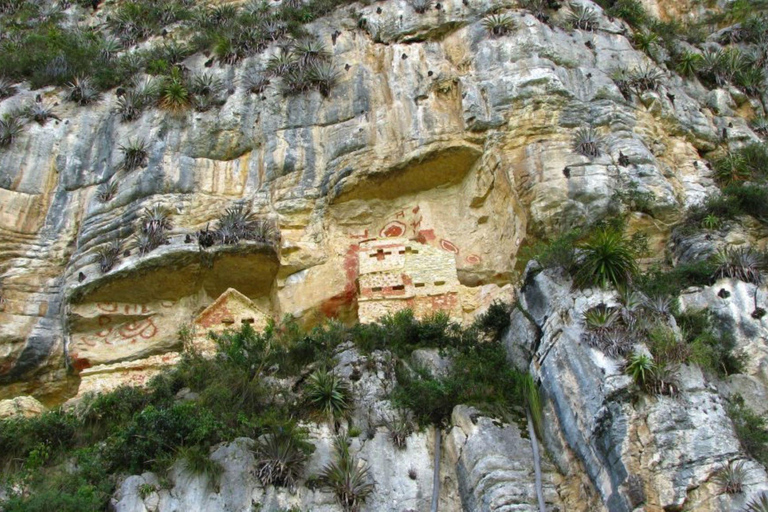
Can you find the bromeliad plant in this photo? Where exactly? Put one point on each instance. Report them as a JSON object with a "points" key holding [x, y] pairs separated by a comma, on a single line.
{"points": [[329, 395], [134, 154], [588, 142], [281, 456], [498, 25], [607, 258], [347, 478]]}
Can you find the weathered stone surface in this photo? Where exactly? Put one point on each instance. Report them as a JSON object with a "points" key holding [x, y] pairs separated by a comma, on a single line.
{"points": [[494, 465], [24, 406], [659, 451]]}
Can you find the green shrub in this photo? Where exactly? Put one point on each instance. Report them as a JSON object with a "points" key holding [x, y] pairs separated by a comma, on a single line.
{"points": [[581, 17], [196, 460], [155, 432], [495, 320], [631, 11], [559, 252], [669, 283], [607, 259], [751, 429]]}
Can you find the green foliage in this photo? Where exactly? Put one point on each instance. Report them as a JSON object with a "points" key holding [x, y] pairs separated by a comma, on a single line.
{"points": [[742, 263], [281, 456], [669, 283], [347, 478], [730, 478], [640, 367], [688, 63], [328, 394], [495, 320], [559, 252], [20, 437], [608, 259], [174, 95], [631, 11], [651, 376], [480, 376], [155, 432], [581, 17], [751, 429], [11, 127], [134, 154], [498, 25], [749, 163], [634, 199], [196, 460]]}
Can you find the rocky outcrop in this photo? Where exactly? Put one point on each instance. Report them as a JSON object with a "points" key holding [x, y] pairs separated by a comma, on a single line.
{"points": [[658, 452], [486, 464]]}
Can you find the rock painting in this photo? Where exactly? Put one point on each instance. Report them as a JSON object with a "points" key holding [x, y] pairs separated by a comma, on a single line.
{"points": [[397, 273], [230, 310]]}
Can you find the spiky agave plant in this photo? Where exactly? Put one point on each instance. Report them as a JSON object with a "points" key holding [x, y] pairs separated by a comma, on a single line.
{"points": [[599, 322], [296, 81], [134, 154], [323, 76], [106, 191], [328, 394], [82, 91], [498, 25], [255, 82], [280, 459], [156, 220], [588, 142], [347, 478], [731, 476], [205, 84], [742, 263], [174, 95], [237, 223], [108, 255], [645, 78], [109, 47], [399, 430], [7, 88], [281, 63], [10, 128], [640, 367], [607, 259], [583, 18], [130, 106], [758, 504], [760, 125], [309, 51], [688, 63], [40, 112]]}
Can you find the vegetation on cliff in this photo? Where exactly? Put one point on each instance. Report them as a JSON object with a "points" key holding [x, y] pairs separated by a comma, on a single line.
{"points": [[263, 385]]}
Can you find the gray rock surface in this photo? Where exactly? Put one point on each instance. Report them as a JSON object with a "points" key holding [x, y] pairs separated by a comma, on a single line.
{"points": [[656, 451]]}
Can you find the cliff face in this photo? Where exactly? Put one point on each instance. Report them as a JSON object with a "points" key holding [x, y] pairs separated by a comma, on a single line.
{"points": [[437, 132]]}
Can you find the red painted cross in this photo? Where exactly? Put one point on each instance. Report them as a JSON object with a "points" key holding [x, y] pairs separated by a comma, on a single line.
{"points": [[380, 254]]}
